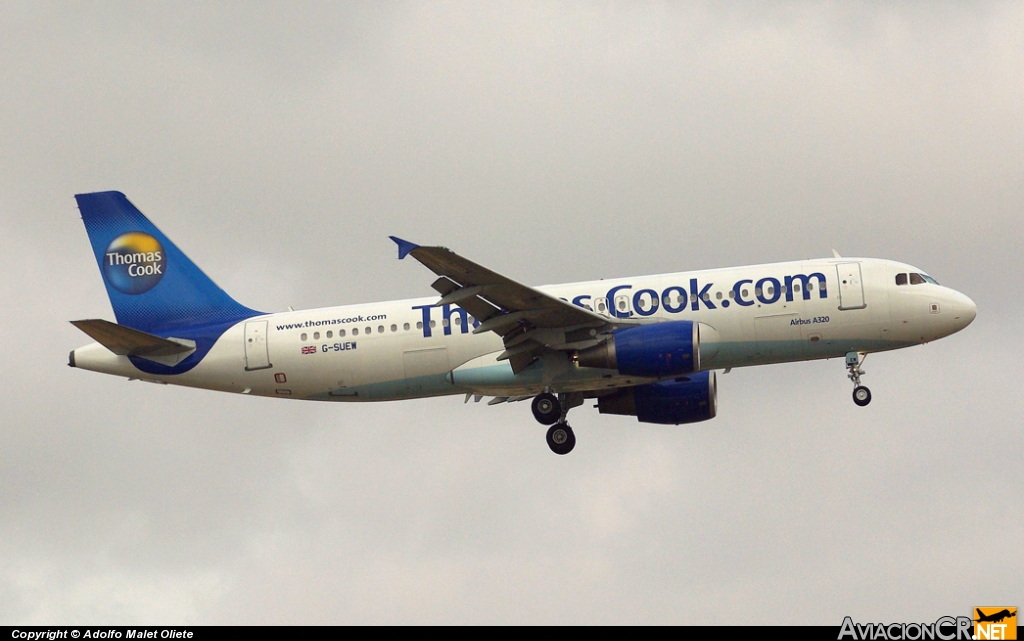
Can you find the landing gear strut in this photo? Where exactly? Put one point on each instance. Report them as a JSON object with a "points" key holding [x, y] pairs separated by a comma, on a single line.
{"points": [[861, 394], [551, 410]]}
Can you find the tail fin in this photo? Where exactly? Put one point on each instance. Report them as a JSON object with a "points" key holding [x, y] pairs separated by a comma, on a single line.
{"points": [[152, 285]]}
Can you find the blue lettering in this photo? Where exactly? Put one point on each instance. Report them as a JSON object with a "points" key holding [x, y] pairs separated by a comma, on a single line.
{"points": [[666, 299], [696, 298], [426, 318], [737, 291], [614, 306], [759, 291], [578, 301], [804, 282], [654, 302], [448, 311]]}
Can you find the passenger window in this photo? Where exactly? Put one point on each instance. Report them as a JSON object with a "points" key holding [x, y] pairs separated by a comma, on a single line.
{"points": [[732, 293], [796, 288], [916, 279], [433, 323], [368, 330], [316, 336], [718, 295], [330, 334], [444, 322], [355, 331], [341, 333], [769, 290], [406, 327], [303, 337], [810, 287], [757, 291], [394, 328], [458, 320], [380, 329], [419, 324], [901, 279]]}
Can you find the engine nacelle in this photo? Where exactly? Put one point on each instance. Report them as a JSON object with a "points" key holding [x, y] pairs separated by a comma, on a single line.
{"points": [[689, 399], [657, 351]]}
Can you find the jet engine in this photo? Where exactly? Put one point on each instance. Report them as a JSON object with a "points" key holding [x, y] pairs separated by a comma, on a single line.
{"points": [[689, 399], [660, 350]]}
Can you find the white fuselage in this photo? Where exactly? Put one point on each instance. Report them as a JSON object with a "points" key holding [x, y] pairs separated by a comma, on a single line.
{"points": [[408, 349]]}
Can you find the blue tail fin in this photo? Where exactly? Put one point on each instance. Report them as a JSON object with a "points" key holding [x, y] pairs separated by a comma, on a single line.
{"points": [[152, 285]]}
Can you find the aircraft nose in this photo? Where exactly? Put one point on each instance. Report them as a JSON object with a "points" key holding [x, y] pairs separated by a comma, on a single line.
{"points": [[965, 310]]}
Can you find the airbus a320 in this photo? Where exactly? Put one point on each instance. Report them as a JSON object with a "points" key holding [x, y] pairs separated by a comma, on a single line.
{"points": [[647, 346]]}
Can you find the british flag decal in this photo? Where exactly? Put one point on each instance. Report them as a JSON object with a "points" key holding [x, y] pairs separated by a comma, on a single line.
{"points": [[309, 349]]}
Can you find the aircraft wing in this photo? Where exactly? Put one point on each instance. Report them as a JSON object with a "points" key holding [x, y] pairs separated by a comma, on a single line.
{"points": [[526, 318]]}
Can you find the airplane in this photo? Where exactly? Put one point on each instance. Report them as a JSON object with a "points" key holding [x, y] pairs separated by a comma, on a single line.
{"points": [[648, 347], [995, 617]]}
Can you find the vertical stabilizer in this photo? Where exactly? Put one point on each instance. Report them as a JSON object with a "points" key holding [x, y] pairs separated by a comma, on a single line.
{"points": [[152, 285]]}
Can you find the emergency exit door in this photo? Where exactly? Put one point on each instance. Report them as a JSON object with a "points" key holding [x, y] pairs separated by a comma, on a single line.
{"points": [[256, 354]]}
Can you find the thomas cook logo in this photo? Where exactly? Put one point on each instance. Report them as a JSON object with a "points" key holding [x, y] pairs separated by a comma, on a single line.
{"points": [[134, 263], [995, 622]]}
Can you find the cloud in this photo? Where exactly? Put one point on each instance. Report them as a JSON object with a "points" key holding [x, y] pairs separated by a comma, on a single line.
{"points": [[280, 146]]}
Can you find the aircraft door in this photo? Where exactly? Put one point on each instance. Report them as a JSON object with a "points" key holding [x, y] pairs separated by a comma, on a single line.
{"points": [[851, 286], [256, 354], [622, 306]]}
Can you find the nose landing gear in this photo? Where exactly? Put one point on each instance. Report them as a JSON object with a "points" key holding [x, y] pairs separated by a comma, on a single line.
{"points": [[861, 394]]}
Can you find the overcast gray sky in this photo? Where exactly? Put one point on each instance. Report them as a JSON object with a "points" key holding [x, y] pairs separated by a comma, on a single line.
{"points": [[279, 144]]}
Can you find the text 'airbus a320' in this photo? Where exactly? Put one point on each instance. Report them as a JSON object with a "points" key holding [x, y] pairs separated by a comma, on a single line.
{"points": [[646, 347]]}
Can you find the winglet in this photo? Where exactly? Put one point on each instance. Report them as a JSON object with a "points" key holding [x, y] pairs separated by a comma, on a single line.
{"points": [[404, 246]]}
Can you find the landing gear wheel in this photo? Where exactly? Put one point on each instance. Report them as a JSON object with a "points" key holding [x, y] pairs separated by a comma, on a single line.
{"points": [[546, 409], [561, 440], [861, 395]]}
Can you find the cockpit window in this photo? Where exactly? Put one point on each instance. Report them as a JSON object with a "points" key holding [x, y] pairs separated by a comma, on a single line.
{"points": [[901, 279], [916, 279], [929, 279]]}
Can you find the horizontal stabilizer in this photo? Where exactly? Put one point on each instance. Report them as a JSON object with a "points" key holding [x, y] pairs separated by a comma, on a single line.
{"points": [[125, 341]]}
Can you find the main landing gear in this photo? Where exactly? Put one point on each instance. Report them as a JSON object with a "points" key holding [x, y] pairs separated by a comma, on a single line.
{"points": [[561, 439], [551, 410], [546, 408], [861, 394]]}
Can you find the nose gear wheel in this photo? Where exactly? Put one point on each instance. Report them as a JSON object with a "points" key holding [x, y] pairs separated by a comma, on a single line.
{"points": [[861, 394]]}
